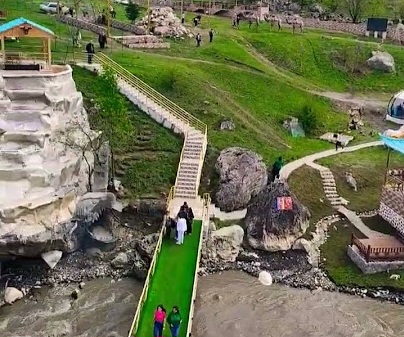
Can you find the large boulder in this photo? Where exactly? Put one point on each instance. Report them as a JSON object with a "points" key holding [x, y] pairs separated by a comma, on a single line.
{"points": [[382, 61], [243, 175], [274, 224], [224, 244]]}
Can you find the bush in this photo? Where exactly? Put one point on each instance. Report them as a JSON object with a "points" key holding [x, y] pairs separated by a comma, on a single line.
{"points": [[351, 59], [309, 120], [132, 11]]}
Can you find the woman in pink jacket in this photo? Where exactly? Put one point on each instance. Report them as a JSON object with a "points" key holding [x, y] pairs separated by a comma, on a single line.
{"points": [[159, 318]]}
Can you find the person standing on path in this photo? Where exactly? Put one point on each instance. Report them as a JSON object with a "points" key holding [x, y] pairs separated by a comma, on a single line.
{"points": [[198, 39], [181, 227], [174, 319], [276, 168], [211, 33], [90, 52], [182, 18], [159, 318], [190, 218]]}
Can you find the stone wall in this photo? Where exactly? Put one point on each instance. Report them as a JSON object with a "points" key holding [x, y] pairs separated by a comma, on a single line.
{"points": [[392, 217], [372, 267]]}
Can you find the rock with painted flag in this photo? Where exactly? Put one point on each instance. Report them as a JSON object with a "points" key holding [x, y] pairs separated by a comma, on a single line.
{"points": [[284, 203]]}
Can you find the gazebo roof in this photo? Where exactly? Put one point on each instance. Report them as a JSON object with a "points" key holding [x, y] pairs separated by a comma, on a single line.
{"points": [[21, 21], [393, 143]]}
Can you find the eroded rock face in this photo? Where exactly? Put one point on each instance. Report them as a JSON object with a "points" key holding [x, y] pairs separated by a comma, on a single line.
{"points": [[270, 228], [146, 246], [243, 175], [382, 61], [41, 176], [224, 244]]}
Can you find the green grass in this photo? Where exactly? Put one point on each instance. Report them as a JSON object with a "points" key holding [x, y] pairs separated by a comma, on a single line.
{"points": [[368, 167], [324, 60], [343, 271], [172, 282], [377, 223], [305, 183], [147, 162]]}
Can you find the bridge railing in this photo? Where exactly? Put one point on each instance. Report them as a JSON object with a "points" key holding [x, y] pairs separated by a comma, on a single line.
{"points": [[205, 217], [151, 93], [150, 273]]}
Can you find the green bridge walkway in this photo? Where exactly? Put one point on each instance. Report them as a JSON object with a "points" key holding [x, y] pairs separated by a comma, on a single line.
{"points": [[172, 282]]}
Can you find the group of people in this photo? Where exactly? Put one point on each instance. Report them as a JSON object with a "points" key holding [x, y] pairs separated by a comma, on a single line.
{"points": [[181, 225], [173, 319], [198, 37]]}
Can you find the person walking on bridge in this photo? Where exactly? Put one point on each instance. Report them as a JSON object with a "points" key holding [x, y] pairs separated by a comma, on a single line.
{"points": [[174, 319], [181, 226], [159, 318]]}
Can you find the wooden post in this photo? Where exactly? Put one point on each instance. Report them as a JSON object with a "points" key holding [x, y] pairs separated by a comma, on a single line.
{"points": [[387, 166], [48, 42], [148, 17], [368, 254], [109, 18], [3, 50]]}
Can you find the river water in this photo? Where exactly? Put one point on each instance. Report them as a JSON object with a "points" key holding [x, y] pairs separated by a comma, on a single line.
{"points": [[231, 304]]}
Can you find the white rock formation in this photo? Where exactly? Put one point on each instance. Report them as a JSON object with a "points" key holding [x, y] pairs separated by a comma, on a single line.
{"points": [[52, 258], [382, 61], [224, 244], [265, 278], [12, 294], [165, 22], [40, 176]]}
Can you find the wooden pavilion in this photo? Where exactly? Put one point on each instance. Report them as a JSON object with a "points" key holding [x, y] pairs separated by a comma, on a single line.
{"points": [[21, 60]]}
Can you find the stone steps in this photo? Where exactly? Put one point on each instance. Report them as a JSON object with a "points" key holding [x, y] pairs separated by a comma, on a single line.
{"points": [[330, 188]]}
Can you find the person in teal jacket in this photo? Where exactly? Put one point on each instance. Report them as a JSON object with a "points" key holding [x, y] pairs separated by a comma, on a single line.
{"points": [[174, 319], [276, 168]]}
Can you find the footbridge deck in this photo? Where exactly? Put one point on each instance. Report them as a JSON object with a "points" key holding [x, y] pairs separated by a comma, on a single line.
{"points": [[172, 283]]}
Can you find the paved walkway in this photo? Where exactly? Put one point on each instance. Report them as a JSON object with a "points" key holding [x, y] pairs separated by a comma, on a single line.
{"points": [[290, 167], [309, 160]]}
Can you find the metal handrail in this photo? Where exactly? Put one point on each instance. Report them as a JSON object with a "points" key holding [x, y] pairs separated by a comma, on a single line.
{"points": [[143, 296], [152, 93]]}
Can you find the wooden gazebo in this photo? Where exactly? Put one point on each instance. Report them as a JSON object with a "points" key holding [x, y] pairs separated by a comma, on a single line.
{"points": [[21, 60]]}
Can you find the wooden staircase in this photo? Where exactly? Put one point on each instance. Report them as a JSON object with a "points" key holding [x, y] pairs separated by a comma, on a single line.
{"points": [[171, 116]]}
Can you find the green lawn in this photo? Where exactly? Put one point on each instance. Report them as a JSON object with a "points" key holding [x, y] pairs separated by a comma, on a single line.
{"points": [[368, 167], [172, 282]]}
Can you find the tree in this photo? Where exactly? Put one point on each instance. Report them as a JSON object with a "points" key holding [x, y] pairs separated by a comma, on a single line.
{"points": [[88, 143], [332, 5], [356, 9], [377, 8], [112, 118], [132, 11]]}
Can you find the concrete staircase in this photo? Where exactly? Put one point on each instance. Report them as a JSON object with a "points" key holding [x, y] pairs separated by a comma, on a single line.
{"points": [[330, 188], [173, 117]]}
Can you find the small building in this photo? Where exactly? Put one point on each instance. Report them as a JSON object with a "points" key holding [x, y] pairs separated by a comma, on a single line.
{"points": [[26, 56], [385, 252], [395, 109]]}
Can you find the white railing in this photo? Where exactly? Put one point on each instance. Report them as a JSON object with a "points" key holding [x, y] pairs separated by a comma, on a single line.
{"points": [[143, 296], [205, 214]]}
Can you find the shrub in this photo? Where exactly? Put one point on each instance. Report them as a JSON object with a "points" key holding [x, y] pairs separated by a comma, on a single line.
{"points": [[132, 11], [309, 119]]}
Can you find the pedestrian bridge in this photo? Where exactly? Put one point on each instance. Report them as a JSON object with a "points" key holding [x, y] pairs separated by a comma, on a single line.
{"points": [[173, 274]]}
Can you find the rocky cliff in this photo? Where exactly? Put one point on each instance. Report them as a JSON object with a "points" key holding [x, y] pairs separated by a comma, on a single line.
{"points": [[40, 176]]}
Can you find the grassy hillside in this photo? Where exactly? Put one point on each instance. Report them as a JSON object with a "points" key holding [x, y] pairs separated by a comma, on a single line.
{"points": [[147, 163]]}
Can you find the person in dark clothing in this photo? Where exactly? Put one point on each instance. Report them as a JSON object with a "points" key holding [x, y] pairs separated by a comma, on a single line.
{"points": [[90, 52], [71, 11], [103, 19], [170, 225], [190, 219], [195, 22], [238, 21], [182, 18], [338, 143], [198, 39], [102, 40], [250, 23], [276, 168], [211, 35]]}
